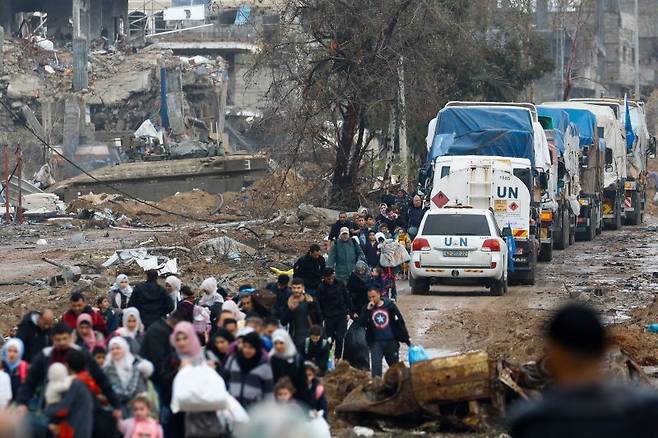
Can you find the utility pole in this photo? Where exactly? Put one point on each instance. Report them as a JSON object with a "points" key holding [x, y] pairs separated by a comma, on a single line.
{"points": [[637, 51]]}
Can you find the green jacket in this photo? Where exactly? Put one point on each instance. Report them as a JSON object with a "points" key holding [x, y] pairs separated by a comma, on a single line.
{"points": [[343, 257]]}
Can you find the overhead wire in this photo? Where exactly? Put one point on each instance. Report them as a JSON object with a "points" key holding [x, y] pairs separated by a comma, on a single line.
{"points": [[106, 184]]}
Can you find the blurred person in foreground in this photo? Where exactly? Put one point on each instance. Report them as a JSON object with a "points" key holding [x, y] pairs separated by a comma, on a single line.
{"points": [[584, 402]]}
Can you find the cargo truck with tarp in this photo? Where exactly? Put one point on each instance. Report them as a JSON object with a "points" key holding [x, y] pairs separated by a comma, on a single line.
{"points": [[640, 146], [492, 156], [560, 206]]}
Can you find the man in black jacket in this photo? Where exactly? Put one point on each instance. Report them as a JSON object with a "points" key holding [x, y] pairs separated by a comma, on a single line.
{"points": [[34, 331], [300, 313], [385, 329], [38, 372], [584, 401], [340, 223], [336, 305], [310, 268], [156, 347], [415, 216], [151, 299]]}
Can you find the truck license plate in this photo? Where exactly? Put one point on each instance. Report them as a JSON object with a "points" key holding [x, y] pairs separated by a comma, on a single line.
{"points": [[453, 253]]}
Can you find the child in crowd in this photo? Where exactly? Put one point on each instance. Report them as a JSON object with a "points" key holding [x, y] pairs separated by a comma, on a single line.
{"points": [[376, 278], [110, 317], [317, 348], [231, 325], [270, 324], [59, 383], [284, 391], [141, 425], [316, 389], [403, 239], [99, 354]]}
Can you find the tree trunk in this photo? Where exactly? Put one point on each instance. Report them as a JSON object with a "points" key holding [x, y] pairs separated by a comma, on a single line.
{"points": [[344, 193]]}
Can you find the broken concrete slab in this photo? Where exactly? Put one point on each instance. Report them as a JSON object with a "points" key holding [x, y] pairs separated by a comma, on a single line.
{"points": [[324, 215], [119, 88], [226, 247], [43, 204], [24, 86]]}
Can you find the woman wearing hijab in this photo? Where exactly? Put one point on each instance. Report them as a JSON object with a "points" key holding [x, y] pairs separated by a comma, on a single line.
{"points": [[172, 286], [126, 373], [248, 373], [210, 298], [132, 329], [218, 348], [357, 285], [187, 351], [85, 336], [287, 362], [120, 293], [13, 363]]}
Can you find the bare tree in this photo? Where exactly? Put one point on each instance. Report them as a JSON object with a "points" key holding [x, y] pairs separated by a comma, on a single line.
{"points": [[336, 69]]}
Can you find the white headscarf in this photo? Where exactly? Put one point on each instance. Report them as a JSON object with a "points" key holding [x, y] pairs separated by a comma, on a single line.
{"points": [[174, 282], [124, 366], [210, 294], [283, 336], [126, 291], [127, 313], [232, 307]]}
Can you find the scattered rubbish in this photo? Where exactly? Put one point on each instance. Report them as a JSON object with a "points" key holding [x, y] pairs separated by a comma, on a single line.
{"points": [[164, 265], [364, 432], [147, 130], [67, 274], [653, 328], [49, 70], [41, 242]]}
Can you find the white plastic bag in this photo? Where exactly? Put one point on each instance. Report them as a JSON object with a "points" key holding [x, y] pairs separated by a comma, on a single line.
{"points": [[234, 412], [198, 388], [319, 427]]}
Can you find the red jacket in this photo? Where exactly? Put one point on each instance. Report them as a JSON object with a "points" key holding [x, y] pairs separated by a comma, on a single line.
{"points": [[70, 319]]}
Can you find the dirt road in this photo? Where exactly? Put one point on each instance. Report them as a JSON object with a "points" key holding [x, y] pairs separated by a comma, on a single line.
{"points": [[616, 273]]}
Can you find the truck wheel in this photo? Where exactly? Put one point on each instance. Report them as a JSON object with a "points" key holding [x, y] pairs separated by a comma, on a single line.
{"points": [[561, 239], [419, 286], [615, 224], [499, 287], [546, 252], [572, 230], [635, 217], [594, 225]]}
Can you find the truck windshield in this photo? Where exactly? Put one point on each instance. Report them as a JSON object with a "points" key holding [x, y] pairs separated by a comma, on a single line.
{"points": [[456, 225]]}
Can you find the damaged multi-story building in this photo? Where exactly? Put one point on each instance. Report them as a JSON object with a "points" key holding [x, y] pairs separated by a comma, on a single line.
{"points": [[593, 46]]}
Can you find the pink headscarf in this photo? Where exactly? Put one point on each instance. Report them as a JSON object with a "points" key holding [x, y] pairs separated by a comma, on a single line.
{"points": [[232, 307], [90, 339], [193, 349]]}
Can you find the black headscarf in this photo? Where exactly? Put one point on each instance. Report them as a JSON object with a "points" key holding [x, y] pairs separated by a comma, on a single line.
{"points": [[219, 333], [246, 365]]}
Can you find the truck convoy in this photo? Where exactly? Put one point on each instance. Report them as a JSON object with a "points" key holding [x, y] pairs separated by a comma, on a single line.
{"points": [[549, 174]]}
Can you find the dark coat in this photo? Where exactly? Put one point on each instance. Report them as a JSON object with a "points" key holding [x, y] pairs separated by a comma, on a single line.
{"points": [[334, 300], [372, 253], [38, 374], [34, 339], [310, 270], [335, 228], [318, 352], [602, 411], [152, 301], [397, 322], [301, 319], [156, 347], [294, 369], [16, 377], [415, 216], [78, 402], [358, 290], [98, 322]]}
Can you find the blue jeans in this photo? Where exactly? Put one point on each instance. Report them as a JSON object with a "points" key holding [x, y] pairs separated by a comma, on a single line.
{"points": [[389, 350]]}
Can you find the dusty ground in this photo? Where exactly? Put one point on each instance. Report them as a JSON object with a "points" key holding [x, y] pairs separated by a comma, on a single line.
{"points": [[616, 273]]}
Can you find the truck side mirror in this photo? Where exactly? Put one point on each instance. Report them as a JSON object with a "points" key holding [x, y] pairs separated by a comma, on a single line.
{"points": [[506, 232], [584, 161], [652, 147], [608, 156], [543, 180]]}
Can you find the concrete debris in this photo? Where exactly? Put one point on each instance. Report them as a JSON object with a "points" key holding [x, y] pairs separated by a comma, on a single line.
{"points": [[42, 204], [323, 215], [191, 149], [41, 242], [113, 91], [226, 247], [43, 178], [361, 432], [164, 265], [49, 70], [24, 86]]}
